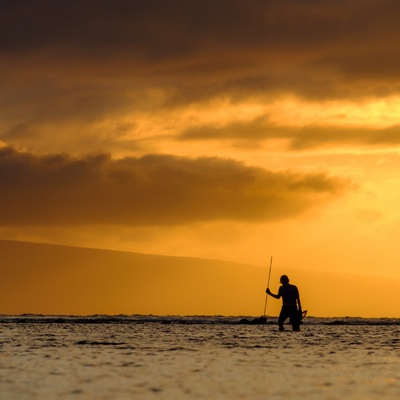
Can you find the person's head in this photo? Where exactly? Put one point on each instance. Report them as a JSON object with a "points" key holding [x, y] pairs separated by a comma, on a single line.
{"points": [[284, 279]]}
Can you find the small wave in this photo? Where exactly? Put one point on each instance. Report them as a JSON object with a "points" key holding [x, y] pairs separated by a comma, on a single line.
{"points": [[96, 343]]}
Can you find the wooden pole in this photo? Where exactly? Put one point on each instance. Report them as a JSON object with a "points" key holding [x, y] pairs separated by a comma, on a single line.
{"points": [[266, 295]]}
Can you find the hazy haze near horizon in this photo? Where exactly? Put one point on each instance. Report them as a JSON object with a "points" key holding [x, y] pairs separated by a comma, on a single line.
{"points": [[53, 279]]}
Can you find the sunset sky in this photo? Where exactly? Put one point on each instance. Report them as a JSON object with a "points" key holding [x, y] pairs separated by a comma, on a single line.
{"points": [[226, 129]]}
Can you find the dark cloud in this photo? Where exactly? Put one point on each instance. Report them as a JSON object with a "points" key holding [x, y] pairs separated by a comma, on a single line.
{"points": [[308, 137], [152, 190], [66, 65], [300, 43], [256, 130], [261, 130]]}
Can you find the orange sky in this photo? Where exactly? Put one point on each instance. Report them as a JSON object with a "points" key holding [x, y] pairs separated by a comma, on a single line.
{"points": [[228, 130]]}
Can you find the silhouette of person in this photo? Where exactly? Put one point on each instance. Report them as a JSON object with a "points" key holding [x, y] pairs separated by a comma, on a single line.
{"points": [[290, 300]]}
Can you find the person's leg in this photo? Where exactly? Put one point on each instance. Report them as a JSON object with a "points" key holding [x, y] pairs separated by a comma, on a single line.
{"points": [[295, 319], [282, 317]]}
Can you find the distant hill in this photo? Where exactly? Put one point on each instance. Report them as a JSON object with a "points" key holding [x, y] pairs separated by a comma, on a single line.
{"points": [[53, 279]]}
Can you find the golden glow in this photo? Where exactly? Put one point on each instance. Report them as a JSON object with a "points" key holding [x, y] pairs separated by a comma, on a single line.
{"points": [[283, 141], [367, 113], [284, 112], [157, 132]]}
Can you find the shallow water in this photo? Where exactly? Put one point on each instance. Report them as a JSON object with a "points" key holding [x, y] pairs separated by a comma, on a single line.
{"points": [[187, 358]]}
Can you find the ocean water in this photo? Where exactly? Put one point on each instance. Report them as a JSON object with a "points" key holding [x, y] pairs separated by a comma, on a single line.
{"points": [[150, 357]]}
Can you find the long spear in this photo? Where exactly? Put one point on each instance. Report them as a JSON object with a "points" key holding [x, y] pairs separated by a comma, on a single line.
{"points": [[266, 295]]}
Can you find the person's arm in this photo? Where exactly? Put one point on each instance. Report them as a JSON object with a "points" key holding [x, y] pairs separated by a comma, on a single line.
{"points": [[277, 296]]}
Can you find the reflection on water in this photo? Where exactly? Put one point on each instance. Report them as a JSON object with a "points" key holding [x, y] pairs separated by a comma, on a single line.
{"points": [[199, 358]]}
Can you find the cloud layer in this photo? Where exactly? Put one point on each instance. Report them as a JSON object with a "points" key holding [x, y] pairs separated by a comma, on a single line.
{"points": [[73, 67], [355, 39], [296, 137], [152, 190]]}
